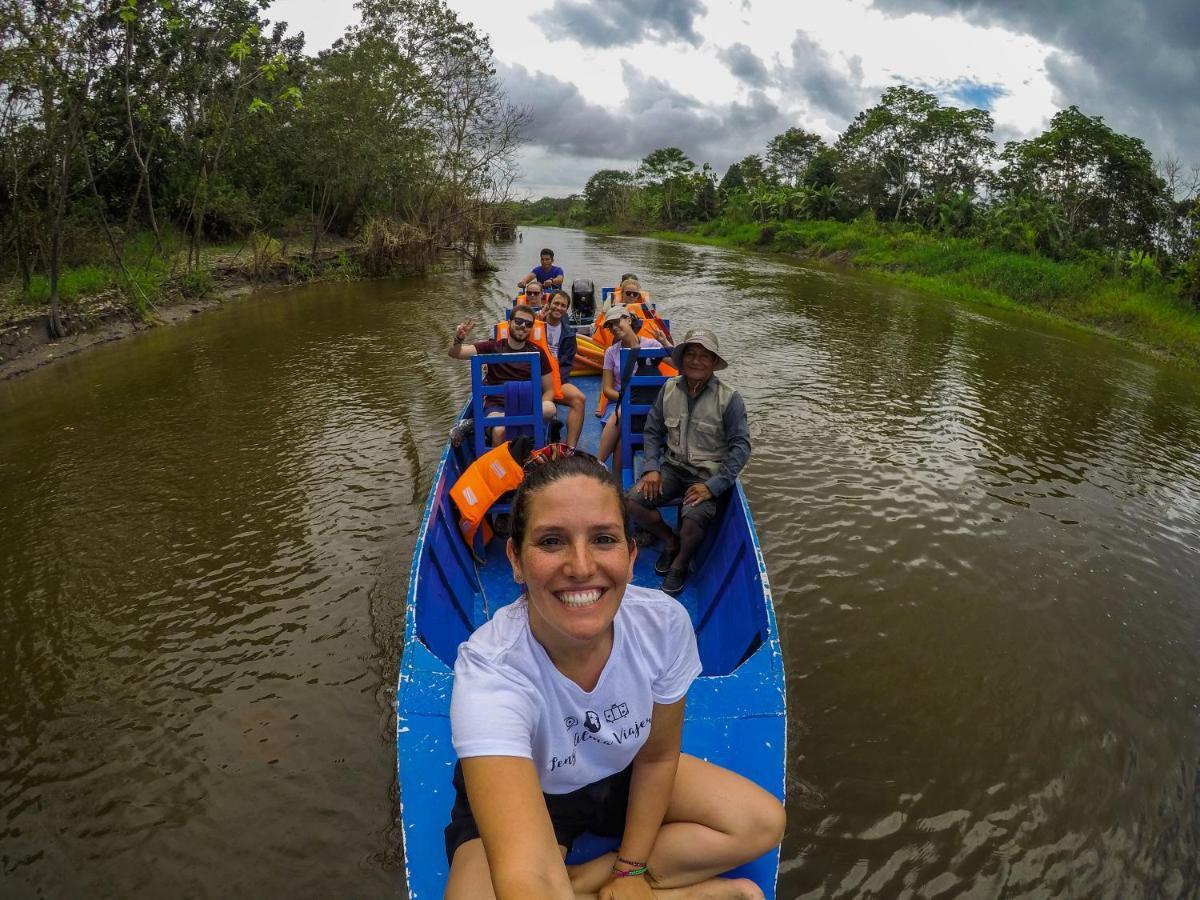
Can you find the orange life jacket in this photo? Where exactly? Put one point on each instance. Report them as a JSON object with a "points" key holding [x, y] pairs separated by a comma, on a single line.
{"points": [[604, 338], [486, 480], [537, 335]]}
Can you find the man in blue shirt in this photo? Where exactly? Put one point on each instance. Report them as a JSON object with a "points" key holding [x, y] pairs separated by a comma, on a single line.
{"points": [[548, 274]]}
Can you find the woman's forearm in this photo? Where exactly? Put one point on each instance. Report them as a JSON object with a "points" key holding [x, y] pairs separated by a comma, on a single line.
{"points": [[523, 885], [649, 794]]}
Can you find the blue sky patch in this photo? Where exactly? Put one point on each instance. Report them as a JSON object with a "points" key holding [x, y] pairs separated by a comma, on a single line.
{"points": [[973, 93]]}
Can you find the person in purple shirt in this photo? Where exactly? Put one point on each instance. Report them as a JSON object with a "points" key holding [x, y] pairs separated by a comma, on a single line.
{"points": [[547, 274]]}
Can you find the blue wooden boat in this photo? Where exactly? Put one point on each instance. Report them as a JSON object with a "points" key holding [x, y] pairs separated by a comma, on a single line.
{"points": [[736, 711]]}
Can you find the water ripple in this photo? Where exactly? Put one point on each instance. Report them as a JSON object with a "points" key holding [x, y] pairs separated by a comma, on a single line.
{"points": [[981, 536]]}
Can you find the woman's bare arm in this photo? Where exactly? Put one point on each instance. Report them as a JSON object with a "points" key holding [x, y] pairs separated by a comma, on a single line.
{"points": [[507, 802], [606, 385], [652, 781]]}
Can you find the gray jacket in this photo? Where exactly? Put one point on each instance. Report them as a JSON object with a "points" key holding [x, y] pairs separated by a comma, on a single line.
{"points": [[708, 435]]}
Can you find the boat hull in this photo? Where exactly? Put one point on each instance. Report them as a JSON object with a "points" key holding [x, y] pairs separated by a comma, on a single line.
{"points": [[736, 709]]}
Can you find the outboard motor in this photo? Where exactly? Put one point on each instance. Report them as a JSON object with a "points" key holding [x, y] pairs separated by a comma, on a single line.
{"points": [[583, 299]]}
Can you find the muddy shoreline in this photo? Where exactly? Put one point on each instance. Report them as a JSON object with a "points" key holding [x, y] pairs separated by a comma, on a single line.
{"points": [[26, 344]]}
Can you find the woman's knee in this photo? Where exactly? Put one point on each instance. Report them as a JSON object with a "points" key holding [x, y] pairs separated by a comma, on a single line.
{"points": [[764, 822]]}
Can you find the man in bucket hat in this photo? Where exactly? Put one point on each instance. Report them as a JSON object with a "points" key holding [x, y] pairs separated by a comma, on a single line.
{"points": [[697, 440]]}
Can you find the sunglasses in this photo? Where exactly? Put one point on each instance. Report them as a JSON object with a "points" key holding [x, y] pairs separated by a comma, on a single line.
{"points": [[529, 293], [522, 323], [553, 453], [632, 293]]}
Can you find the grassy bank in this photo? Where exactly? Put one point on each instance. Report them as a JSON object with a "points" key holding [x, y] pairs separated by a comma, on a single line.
{"points": [[148, 277], [1082, 293]]}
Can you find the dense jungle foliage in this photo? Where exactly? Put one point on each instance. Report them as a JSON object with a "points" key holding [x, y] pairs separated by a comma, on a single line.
{"points": [[135, 132], [911, 172]]}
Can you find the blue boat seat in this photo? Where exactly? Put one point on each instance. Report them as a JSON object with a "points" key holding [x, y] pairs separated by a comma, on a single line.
{"points": [[634, 395], [529, 415], [518, 398], [522, 414]]}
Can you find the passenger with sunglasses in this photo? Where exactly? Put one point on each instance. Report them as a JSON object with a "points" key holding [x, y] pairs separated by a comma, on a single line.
{"points": [[547, 274], [535, 296], [567, 714], [630, 291], [517, 341]]}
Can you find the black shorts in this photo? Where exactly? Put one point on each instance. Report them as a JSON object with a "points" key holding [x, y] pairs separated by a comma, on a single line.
{"points": [[598, 807]]}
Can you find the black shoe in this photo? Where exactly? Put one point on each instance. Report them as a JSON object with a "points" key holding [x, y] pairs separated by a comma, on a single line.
{"points": [[673, 583], [663, 564]]}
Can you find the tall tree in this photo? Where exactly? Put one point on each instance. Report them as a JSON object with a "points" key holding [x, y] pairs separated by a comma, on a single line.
{"points": [[753, 171], [789, 155], [732, 181], [908, 148], [667, 174], [607, 194], [475, 131], [1103, 182], [52, 50]]}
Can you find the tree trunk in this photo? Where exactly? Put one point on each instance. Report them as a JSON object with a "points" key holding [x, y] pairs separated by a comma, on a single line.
{"points": [[197, 218], [133, 143], [55, 325]]}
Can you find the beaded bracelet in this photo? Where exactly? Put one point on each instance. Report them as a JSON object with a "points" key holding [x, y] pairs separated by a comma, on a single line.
{"points": [[630, 862], [626, 874]]}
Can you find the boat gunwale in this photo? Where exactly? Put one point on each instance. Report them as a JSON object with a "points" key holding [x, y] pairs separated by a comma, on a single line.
{"points": [[410, 678]]}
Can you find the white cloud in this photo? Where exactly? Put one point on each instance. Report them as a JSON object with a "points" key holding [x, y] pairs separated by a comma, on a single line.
{"points": [[824, 63]]}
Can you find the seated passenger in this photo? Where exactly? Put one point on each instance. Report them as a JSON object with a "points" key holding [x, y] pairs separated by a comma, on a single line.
{"points": [[515, 341], [567, 713], [561, 342], [630, 295], [697, 440], [629, 290], [547, 274], [535, 296], [624, 327]]}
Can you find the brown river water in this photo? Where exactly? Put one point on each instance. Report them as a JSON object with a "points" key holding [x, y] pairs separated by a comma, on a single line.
{"points": [[983, 536]]}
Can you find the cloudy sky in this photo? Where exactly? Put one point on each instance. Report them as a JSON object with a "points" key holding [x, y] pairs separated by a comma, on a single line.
{"points": [[608, 81]]}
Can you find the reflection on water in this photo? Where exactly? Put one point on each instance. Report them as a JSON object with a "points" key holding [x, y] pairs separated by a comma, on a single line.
{"points": [[982, 537]]}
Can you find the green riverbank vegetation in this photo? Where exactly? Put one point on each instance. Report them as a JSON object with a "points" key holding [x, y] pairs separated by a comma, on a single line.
{"points": [[1079, 222], [146, 144]]}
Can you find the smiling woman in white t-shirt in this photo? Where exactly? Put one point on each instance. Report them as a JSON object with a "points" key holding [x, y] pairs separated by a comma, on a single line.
{"points": [[567, 713]]}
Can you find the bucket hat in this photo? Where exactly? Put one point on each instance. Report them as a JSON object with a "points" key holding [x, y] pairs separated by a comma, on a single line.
{"points": [[703, 338]]}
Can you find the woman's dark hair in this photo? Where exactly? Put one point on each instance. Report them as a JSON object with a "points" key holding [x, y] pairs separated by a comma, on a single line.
{"points": [[546, 251], [540, 476]]}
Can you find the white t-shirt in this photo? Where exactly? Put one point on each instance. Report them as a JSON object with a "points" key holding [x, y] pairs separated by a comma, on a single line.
{"points": [[510, 700], [553, 337], [612, 357]]}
